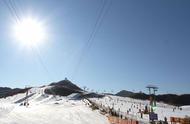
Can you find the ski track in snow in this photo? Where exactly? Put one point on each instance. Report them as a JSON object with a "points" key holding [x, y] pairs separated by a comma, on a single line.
{"points": [[47, 109], [122, 104]]}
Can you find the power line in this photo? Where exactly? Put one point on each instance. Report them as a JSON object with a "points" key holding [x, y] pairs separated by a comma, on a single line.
{"points": [[87, 44], [103, 11], [19, 8], [11, 10], [100, 22], [11, 5], [34, 49]]}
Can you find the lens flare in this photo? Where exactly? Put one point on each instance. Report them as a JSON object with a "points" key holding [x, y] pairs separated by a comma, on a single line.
{"points": [[29, 32]]}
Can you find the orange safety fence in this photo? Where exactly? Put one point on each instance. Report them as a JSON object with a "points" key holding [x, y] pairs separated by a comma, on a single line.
{"points": [[180, 120], [116, 120]]}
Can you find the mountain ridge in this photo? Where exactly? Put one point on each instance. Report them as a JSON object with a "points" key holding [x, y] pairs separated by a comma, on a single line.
{"points": [[173, 99]]}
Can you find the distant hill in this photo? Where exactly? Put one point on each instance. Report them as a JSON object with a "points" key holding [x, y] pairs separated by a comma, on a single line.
{"points": [[63, 88], [125, 93], [67, 84], [172, 99], [6, 91], [183, 99]]}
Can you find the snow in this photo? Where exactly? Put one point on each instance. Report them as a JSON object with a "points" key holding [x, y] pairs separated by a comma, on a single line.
{"points": [[47, 109], [52, 109], [123, 104]]}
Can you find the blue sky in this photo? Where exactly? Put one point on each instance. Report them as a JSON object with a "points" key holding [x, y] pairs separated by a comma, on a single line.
{"points": [[137, 43]]}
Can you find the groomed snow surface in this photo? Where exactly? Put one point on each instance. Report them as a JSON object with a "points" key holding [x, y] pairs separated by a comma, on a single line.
{"points": [[123, 104], [47, 109]]}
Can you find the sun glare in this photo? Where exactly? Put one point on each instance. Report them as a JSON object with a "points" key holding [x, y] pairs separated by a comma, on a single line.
{"points": [[29, 32]]}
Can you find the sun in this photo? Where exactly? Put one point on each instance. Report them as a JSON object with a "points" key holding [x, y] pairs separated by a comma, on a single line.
{"points": [[29, 32]]}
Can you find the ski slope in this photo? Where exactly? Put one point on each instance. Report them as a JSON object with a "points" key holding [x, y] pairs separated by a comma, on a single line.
{"points": [[47, 109], [123, 104]]}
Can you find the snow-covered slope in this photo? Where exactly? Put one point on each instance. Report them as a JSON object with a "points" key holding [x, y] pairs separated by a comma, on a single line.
{"points": [[52, 109], [124, 104], [47, 109]]}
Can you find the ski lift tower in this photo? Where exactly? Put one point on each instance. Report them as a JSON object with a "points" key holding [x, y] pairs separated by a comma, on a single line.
{"points": [[152, 96]]}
